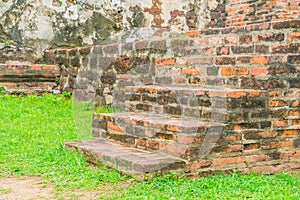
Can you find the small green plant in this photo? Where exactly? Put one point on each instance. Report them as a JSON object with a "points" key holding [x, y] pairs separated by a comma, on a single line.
{"points": [[60, 3], [6, 42], [5, 190], [183, 7], [67, 94], [57, 80], [2, 89], [181, 36], [104, 109]]}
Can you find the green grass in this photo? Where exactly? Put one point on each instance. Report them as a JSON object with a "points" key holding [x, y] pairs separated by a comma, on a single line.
{"points": [[32, 134], [33, 131]]}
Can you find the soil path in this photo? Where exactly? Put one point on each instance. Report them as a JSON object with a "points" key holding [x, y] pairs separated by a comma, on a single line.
{"points": [[24, 188], [34, 188]]}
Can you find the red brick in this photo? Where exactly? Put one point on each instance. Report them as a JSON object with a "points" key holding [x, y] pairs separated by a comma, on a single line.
{"points": [[230, 160], [234, 148], [276, 144], [266, 169], [199, 164], [286, 48], [192, 34], [274, 93], [165, 136], [294, 37], [268, 37], [245, 39], [225, 60], [183, 139], [35, 67], [257, 93], [192, 71], [114, 127], [140, 142], [174, 71], [234, 137], [231, 40], [230, 71], [200, 60], [56, 68], [255, 71], [295, 104], [289, 153], [222, 50], [236, 94], [182, 60], [208, 51], [173, 148], [268, 134], [179, 80], [259, 60], [210, 41], [262, 49], [277, 103], [289, 133], [47, 67], [165, 61], [295, 113], [295, 122], [255, 158], [203, 41], [253, 146], [9, 85], [173, 128], [280, 123], [242, 49], [154, 145]]}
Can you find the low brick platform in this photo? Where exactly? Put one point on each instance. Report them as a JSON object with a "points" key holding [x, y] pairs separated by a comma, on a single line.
{"points": [[129, 160], [25, 78]]}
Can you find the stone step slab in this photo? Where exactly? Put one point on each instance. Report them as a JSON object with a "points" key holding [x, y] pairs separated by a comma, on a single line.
{"points": [[124, 159]]}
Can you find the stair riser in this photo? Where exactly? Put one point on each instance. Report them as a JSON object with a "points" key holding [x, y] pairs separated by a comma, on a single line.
{"points": [[202, 107], [171, 139]]}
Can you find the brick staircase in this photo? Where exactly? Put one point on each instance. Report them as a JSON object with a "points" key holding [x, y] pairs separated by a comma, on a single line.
{"points": [[226, 99]]}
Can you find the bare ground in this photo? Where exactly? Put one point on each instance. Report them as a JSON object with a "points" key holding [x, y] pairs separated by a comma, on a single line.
{"points": [[34, 188]]}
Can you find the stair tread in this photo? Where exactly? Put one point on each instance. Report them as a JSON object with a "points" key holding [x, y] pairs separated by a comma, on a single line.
{"points": [[126, 159], [183, 90], [189, 88], [160, 119]]}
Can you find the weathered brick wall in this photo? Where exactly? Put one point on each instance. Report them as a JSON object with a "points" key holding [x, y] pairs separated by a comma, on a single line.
{"points": [[24, 78], [240, 13]]}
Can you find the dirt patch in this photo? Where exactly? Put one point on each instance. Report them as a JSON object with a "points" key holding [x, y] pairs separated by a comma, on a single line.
{"points": [[34, 188], [24, 188]]}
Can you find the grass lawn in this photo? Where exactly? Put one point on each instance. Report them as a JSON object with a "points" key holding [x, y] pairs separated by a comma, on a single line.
{"points": [[33, 130]]}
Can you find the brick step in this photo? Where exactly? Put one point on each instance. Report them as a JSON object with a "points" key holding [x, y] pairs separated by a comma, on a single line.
{"points": [[175, 136], [209, 104], [124, 159]]}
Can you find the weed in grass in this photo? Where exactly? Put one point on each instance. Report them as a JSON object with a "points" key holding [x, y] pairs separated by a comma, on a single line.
{"points": [[104, 109], [5, 190]]}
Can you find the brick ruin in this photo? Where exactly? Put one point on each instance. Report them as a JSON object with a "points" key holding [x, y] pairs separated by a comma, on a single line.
{"points": [[223, 98]]}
